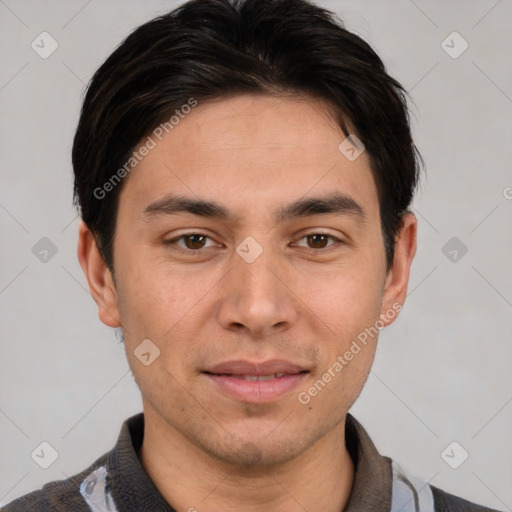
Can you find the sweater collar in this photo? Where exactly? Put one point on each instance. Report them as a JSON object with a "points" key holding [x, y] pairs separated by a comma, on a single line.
{"points": [[132, 488]]}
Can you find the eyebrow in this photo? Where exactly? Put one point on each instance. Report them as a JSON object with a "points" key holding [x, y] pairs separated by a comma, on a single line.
{"points": [[336, 203]]}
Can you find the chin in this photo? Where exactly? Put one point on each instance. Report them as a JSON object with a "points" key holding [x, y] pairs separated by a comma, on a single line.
{"points": [[250, 452]]}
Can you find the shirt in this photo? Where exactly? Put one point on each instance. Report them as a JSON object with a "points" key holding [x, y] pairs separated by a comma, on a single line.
{"points": [[117, 482]]}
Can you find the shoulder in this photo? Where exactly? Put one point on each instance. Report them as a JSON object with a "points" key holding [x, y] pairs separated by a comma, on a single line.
{"points": [[33, 501], [56, 496], [412, 494], [445, 502], [91, 488]]}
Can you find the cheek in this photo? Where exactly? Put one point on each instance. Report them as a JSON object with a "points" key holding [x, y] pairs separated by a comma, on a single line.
{"points": [[346, 301], [349, 306], [160, 303], [153, 290]]}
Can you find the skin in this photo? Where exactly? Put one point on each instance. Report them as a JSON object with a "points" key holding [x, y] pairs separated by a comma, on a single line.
{"points": [[252, 154]]}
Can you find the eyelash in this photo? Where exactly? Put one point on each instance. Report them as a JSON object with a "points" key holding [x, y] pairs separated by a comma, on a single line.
{"points": [[329, 248]]}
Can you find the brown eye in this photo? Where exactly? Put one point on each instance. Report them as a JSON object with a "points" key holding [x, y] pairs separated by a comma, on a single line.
{"points": [[194, 241], [191, 243], [317, 241]]}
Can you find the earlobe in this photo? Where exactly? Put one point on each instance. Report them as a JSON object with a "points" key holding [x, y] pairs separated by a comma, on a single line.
{"points": [[397, 280], [99, 278]]}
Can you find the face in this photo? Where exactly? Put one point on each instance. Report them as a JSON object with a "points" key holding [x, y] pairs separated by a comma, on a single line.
{"points": [[249, 250]]}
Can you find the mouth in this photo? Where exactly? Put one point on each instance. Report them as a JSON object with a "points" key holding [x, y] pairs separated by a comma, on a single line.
{"points": [[254, 377], [249, 382]]}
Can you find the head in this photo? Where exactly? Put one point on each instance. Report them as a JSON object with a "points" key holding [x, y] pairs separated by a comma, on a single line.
{"points": [[224, 219]]}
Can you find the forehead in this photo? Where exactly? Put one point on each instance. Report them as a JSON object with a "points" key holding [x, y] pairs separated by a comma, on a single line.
{"points": [[251, 152]]}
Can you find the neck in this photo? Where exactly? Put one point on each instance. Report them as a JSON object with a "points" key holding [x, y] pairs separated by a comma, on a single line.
{"points": [[320, 479]]}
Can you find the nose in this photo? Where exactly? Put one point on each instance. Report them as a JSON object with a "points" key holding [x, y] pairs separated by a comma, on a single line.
{"points": [[257, 297]]}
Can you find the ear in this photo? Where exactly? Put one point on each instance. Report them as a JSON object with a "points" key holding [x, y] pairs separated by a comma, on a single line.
{"points": [[397, 279], [101, 283]]}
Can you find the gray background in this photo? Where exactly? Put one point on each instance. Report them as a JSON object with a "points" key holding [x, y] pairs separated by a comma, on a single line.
{"points": [[442, 371]]}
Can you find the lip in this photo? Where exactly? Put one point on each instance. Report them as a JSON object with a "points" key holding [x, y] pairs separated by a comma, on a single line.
{"points": [[242, 367], [229, 378]]}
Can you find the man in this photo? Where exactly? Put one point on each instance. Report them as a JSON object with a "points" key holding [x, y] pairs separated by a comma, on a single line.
{"points": [[244, 172]]}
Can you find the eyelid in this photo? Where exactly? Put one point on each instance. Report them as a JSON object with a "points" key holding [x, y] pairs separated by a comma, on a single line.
{"points": [[174, 241], [334, 245]]}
